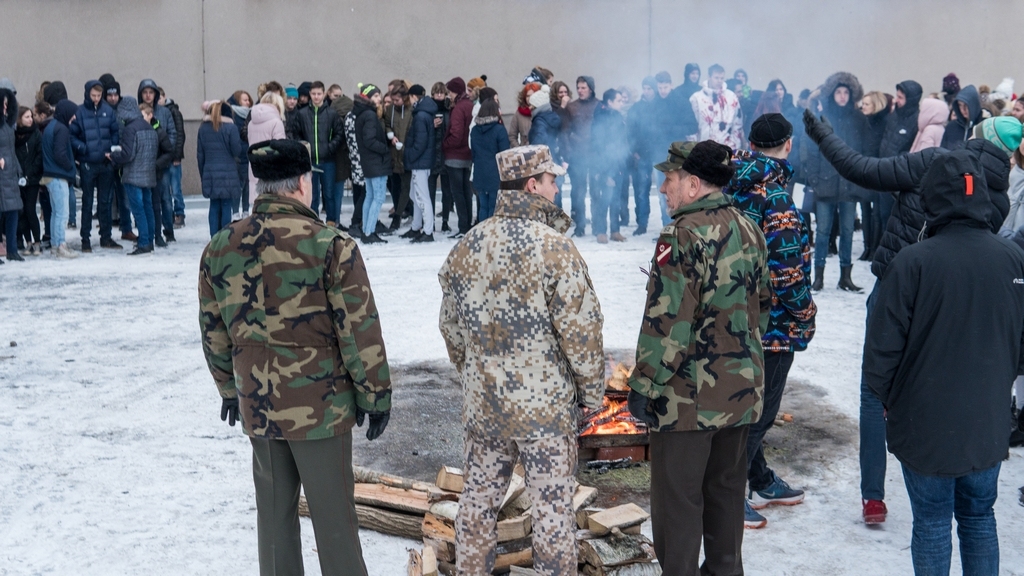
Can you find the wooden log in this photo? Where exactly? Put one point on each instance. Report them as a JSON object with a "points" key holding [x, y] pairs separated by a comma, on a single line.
{"points": [[415, 567], [583, 516], [618, 517], [437, 529], [446, 568], [446, 510], [443, 551], [389, 522], [613, 440], [515, 528], [513, 546], [502, 562], [450, 479], [584, 496], [516, 486], [517, 507], [521, 571], [367, 476], [401, 499], [620, 550], [641, 569], [429, 562]]}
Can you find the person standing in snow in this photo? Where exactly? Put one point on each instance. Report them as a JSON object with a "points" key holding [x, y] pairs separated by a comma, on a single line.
{"points": [[59, 172], [522, 324], [717, 110], [298, 412], [609, 152], [218, 147], [966, 114], [419, 160], [582, 173], [488, 138], [136, 158], [93, 132], [946, 419]]}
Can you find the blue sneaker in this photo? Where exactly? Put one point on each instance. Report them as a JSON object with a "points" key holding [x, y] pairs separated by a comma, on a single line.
{"points": [[778, 493], [751, 518]]}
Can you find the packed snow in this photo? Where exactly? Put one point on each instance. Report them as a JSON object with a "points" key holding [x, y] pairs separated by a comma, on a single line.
{"points": [[115, 460]]}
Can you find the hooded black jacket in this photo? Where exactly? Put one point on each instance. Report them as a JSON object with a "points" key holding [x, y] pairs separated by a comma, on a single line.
{"points": [[374, 153], [852, 127], [903, 174], [958, 130], [901, 125], [944, 340], [95, 128]]}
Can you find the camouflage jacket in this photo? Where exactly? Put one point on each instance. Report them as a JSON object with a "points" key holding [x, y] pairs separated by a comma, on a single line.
{"points": [[522, 322], [699, 352], [759, 190], [289, 324]]}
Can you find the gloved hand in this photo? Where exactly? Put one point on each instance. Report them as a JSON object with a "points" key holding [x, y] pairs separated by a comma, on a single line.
{"points": [[378, 422], [641, 408], [229, 411], [817, 129]]}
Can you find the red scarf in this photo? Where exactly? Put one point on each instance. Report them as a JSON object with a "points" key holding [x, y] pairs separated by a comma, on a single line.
{"points": [[525, 111]]}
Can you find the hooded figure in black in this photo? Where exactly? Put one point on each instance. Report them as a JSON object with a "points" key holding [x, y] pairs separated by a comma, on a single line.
{"points": [[901, 125], [960, 126], [54, 93], [680, 96]]}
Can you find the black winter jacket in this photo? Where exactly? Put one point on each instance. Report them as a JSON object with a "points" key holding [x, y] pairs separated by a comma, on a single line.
{"points": [[958, 130], [179, 129], [29, 142], [439, 132], [546, 129], [165, 151], [944, 338], [161, 113], [374, 154], [852, 127], [489, 139], [419, 140], [903, 174], [901, 125], [218, 153], [94, 130], [322, 128], [642, 130]]}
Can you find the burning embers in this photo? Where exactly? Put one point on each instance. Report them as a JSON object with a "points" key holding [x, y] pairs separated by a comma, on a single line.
{"points": [[611, 432], [612, 418]]}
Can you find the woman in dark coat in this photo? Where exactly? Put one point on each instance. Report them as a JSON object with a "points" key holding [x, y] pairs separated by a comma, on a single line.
{"points": [[10, 174], [218, 148], [489, 137], [29, 148]]}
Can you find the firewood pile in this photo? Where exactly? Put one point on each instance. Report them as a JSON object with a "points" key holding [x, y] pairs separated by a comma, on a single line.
{"points": [[609, 540]]}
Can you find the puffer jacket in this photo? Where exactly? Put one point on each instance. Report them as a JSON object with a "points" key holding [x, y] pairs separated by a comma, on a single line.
{"points": [[218, 152], [903, 174], [959, 129], [10, 193], [456, 140], [522, 322], [489, 139], [58, 155], [140, 146], [265, 123], [94, 130], [29, 142], [931, 123], [546, 129], [397, 119], [179, 129], [374, 153], [161, 113], [901, 126], [852, 127], [419, 141]]}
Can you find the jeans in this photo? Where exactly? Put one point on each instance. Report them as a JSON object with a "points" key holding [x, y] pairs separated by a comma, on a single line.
{"points": [[605, 203], [582, 179], [376, 191], [333, 210], [58, 189], [165, 214], [423, 208], [486, 200], [776, 370], [157, 201], [642, 178], [867, 224], [462, 193], [72, 205], [220, 213], [11, 230], [883, 209], [141, 202], [872, 431], [123, 208], [824, 212], [177, 198], [935, 501], [323, 186], [98, 178]]}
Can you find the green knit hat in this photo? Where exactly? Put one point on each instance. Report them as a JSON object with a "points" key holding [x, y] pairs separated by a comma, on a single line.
{"points": [[1005, 132]]}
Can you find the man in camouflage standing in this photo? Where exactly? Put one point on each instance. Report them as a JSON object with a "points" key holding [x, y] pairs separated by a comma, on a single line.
{"points": [[291, 336], [523, 327], [699, 364]]}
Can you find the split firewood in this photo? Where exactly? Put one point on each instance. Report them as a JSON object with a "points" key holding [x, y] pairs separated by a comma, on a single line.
{"points": [[649, 569], [389, 522], [515, 508], [450, 479], [437, 528], [584, 496], [415, 564], [384, 496], [583, 515], [515, 528], [446, 512], [516, 485], [429, 561], [620, 550], [367, 476], [443, 551], [618, 517], [503, 562], [513, 546]]}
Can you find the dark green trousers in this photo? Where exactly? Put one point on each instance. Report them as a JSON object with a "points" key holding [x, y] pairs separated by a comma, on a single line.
{"points": [[324, 469]]}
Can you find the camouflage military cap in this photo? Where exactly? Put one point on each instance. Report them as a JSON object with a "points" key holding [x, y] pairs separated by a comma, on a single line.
{"points": [[677, 154], [527, 161]]}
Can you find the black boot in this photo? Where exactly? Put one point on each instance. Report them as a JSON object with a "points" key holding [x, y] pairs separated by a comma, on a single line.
{"points": [[846, 282], [819, 279]]}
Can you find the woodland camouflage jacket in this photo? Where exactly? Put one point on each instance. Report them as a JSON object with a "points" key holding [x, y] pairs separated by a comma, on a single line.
{"points": [[522, 322], [289, 324], [699, 353]]}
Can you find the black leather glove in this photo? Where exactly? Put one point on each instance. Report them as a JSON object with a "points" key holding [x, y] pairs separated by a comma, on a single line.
{"points": [[378, 422], [229, 410], [817, 129], [641, 409]]}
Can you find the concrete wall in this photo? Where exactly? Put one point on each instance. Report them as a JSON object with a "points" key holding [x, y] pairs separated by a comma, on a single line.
{"points": [[203, 49]]}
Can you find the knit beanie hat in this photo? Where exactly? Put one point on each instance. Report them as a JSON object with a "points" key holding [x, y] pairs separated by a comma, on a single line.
{"points": [[770, 130], [112, 87], [368, 90], [304, 89], [417, 90], [950, 84], [456, 85], [478, 82], [107, 79], [291, 91], [1006, 132], [538, 98]]}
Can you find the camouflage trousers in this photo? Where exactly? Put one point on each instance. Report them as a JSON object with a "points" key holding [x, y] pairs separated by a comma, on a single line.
{"points": [[550, 465]]}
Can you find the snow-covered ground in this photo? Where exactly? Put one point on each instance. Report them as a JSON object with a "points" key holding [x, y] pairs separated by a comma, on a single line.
{"points": [[114, 459]]}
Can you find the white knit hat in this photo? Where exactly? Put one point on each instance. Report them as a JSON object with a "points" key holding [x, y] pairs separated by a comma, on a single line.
{"points": [[538, 98]]}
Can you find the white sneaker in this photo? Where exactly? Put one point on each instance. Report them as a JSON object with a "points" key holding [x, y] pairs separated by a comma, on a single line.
{"points": [[64, 251]]}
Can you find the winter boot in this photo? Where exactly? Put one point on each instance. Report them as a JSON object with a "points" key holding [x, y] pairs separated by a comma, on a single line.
{"points": [[169, 235], [845, 282], [819, 279]]}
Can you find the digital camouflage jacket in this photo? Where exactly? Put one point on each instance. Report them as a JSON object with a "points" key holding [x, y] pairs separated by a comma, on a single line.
{"points": [[699, 353], [759, 190], [522, 322], [289, 324]]}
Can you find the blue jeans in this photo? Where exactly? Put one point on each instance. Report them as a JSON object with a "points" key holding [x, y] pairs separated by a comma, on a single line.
{"points": [[376, 191], [176, 196], [872, 431], [220, 213], [333, 210], [581, 177], [166, 209], [58, 190], [486, 200], [605, 203], [776, 370], [824, 212], [642, 180], [935, 501], [141, 202], [323, 187], [123, 209], [72, 205], [98, 180]]}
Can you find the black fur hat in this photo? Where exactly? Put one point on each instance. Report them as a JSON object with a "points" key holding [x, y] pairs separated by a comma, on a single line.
{"points": [[279, 159], [711, 162]]}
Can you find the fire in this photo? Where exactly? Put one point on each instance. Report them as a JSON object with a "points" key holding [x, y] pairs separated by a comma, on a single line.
{"points": [[612, 418]]}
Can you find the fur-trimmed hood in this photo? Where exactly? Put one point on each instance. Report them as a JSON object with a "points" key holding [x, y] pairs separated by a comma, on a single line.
{"points": [[12, 106], [823, 94]]}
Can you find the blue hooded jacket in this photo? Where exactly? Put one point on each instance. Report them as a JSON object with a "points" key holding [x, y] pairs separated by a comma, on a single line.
{"points": [[95, 128], [419, 141]]}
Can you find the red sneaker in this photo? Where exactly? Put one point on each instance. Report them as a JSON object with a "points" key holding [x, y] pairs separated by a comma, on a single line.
{"points": [[874, 511]]}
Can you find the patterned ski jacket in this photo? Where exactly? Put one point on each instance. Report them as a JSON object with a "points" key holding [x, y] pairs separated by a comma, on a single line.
{"points": [[759, 190], [522, 322], [718, 117], [699, 353], [289, 324]]}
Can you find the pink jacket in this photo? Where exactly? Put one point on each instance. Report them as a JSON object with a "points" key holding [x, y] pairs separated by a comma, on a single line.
{"points": [[265, 124], [931, 123]]}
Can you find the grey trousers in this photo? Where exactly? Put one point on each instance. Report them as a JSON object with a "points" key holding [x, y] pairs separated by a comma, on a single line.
{"points": [[324, 469]]}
